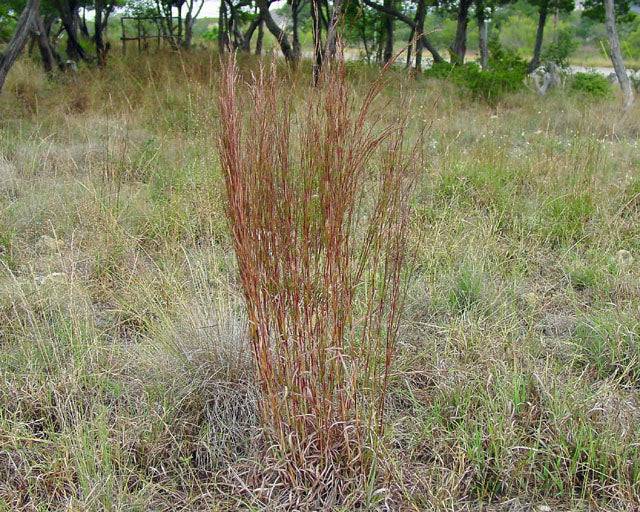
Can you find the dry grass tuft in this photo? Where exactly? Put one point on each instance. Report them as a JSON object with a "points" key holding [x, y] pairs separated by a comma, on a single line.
{"points": [[319, 221]]}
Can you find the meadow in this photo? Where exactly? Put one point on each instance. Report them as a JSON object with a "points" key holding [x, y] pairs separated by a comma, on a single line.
{"points": [[126, 378]]}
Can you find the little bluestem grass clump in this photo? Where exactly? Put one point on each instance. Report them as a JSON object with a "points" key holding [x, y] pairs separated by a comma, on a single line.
{"points": [[318, 205]]}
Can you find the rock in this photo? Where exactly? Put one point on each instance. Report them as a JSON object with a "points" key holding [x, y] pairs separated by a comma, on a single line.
{"points": [[71, 66], [53, 277], [546, 77], [49, 243], [531, 299], [557, 325], [624, 258], [8, 174]]}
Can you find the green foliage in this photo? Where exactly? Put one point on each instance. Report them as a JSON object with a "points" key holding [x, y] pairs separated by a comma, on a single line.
{"points": [[505, 74], [211, 34], [504, 58], [591, 84], [518, 33], [492, 84], [8, 13], [562, 47], [359, 22], [566, 216], [609, 348], [466, 290], [630, 38], [594, 9]]}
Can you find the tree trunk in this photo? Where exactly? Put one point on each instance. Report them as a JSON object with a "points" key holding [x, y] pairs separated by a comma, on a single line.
{"points": [[101, 50], [48, 22], [537, 48], [388, 34], [363, 36], [380, 39], [222, 34], [332, 33], [388, 9], [421, 13], [248, 35], [166, 21], [260, 37], [82, 23], [616, 54], [317, 42], [19, 39], [483, 34], [188, 30], [69, 15], [459, 46], [179, 23], [409, 61], [277, 32], [189, 22], [46, 53], [295, 14]]}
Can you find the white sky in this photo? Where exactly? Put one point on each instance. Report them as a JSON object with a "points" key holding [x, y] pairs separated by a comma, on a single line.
{"points": [[209, 9]]}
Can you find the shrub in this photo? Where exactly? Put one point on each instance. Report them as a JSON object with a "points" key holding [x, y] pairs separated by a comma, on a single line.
{"points": [[491, 84], [591, 84], [518, 33], [322, 299], [505, 74], [562, 47], [440, 70]]}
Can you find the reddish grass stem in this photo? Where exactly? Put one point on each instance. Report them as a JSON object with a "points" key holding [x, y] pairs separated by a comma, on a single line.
{"points": [[318, 208]]}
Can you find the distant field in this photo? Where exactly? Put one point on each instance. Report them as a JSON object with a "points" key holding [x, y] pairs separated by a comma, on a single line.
{"points": [[125, 374]]}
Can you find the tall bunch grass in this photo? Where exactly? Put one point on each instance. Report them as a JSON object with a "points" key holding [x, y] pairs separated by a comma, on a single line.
{"points": [[318, 207]]}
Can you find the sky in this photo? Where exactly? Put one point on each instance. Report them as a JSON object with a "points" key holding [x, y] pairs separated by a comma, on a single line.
{"points": [[209, 9]]}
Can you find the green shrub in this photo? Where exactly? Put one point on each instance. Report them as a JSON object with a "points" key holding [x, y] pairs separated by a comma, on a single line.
{"points": [[489, 85], [630, 41], [505, 74], [559, 51], [440, 70], [591, 84], [517, 32]]}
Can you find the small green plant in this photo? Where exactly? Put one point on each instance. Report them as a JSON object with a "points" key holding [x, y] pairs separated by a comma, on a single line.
{"points": [[466, 291], [566, 216], [609, 348], [583, 277], [591, 84]]}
